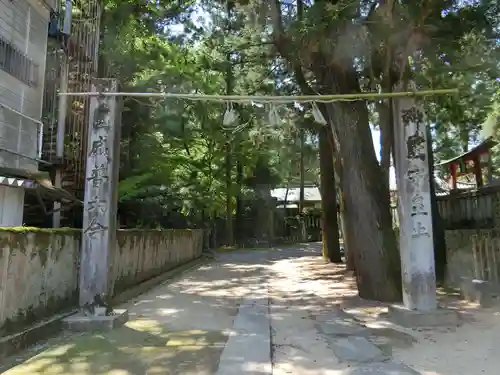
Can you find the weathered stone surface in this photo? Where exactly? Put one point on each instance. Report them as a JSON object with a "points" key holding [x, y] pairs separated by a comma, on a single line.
{"points": [[479, 291], [345, 327], [415, 225], [248, 351], [335, 314], [387, 368], [49, 260], [100, 198], [418, 319], [82, 323], [355, 349]]}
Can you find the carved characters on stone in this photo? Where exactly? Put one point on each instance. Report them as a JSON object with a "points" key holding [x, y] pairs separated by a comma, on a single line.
{"points": [[98, 176], [94, 226], [413, 115], [100, 124], [100, 207], [100, 147], [420, 230], [417, 175], [417, 178], [415, 144], [417, 205], [416, 147], [97, 206]]}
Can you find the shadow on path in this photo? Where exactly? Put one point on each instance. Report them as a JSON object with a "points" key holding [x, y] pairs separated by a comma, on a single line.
{"points": [[176, 328]]}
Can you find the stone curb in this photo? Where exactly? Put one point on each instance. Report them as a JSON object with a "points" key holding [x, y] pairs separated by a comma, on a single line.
{"points": [[155, 281], [11, 344], [16, 342]]}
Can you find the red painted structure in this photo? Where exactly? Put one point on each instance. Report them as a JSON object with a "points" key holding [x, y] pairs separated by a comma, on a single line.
{"points": [[471, 162]]}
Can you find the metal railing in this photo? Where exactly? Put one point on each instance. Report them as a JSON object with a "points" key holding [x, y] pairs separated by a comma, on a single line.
{"points": [[39, 130]]}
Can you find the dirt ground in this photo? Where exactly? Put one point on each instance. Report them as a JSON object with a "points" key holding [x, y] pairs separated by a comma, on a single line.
{"points": [[465, 350], [183, 327]]}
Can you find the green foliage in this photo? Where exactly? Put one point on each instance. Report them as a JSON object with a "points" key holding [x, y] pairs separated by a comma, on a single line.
{"points": [[173, 152]]}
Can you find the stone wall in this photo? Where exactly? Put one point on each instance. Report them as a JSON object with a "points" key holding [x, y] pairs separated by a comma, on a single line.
{"points": [[472, 254], [131, 265], [459, 256], [39, 267]]}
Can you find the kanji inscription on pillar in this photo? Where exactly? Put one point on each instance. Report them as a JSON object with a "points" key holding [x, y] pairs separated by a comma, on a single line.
{"points": [[415, 216], [101, 179]]}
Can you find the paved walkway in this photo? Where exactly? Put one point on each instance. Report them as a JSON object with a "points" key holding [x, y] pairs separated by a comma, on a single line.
{"points": [[254, 312]]}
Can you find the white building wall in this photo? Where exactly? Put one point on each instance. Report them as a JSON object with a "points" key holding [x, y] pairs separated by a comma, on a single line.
{"points": [[11, 199], [23, 25]]}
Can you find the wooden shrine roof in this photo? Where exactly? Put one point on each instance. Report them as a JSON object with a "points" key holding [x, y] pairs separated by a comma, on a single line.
{"points": [[479, 149]]}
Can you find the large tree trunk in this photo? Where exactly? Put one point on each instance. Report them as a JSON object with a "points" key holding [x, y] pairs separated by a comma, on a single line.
{"points": [[367, 203], [366, 195], [238, 222], [302, 172], [439, 239], [347, 230], [330, 228], [378, 265], [386, 137], [229, 149], [349, 233]]}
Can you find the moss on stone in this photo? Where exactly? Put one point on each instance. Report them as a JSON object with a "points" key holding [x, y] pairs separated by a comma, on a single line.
{"points": [[52, 242], [43, 254], [18, 239], [121, 239], [34, 314], [39, 230], [43, 240]]}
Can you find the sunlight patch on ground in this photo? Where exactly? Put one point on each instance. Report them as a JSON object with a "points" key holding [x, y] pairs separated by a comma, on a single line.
{"points": [[146, 349]]}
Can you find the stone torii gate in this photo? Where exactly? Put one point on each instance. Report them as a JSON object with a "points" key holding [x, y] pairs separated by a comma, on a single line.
{"points": [[101, 190]]}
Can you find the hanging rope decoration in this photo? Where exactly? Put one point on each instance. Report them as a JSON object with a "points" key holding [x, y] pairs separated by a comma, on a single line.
{"points": [[318, 116], [273, 116], [270, 99], [231, 117]]}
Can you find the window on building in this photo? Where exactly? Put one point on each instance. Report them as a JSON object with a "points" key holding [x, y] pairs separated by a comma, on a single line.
{"points": [[17, 64]]}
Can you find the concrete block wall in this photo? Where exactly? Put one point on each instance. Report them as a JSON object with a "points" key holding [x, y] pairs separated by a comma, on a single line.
{"points": [[39, 267]]}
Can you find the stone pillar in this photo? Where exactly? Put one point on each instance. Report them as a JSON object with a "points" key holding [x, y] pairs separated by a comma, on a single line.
{"points": [[101, 186], [415, 214]]}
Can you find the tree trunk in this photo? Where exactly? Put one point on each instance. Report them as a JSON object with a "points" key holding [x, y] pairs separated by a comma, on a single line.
{"points": [[349, 249], [386, 138], [229, 151], [238, 222], [366, 195], [437, 223], [330, 229], [347, 232], [367, 203], [302, 172]]}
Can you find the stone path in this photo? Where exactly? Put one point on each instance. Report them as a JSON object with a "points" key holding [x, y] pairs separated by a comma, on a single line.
{"points": [[254, 312]]}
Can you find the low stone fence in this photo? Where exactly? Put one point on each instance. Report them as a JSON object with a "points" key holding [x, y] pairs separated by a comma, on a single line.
{"points": [[472, 254], [39, 267]]}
